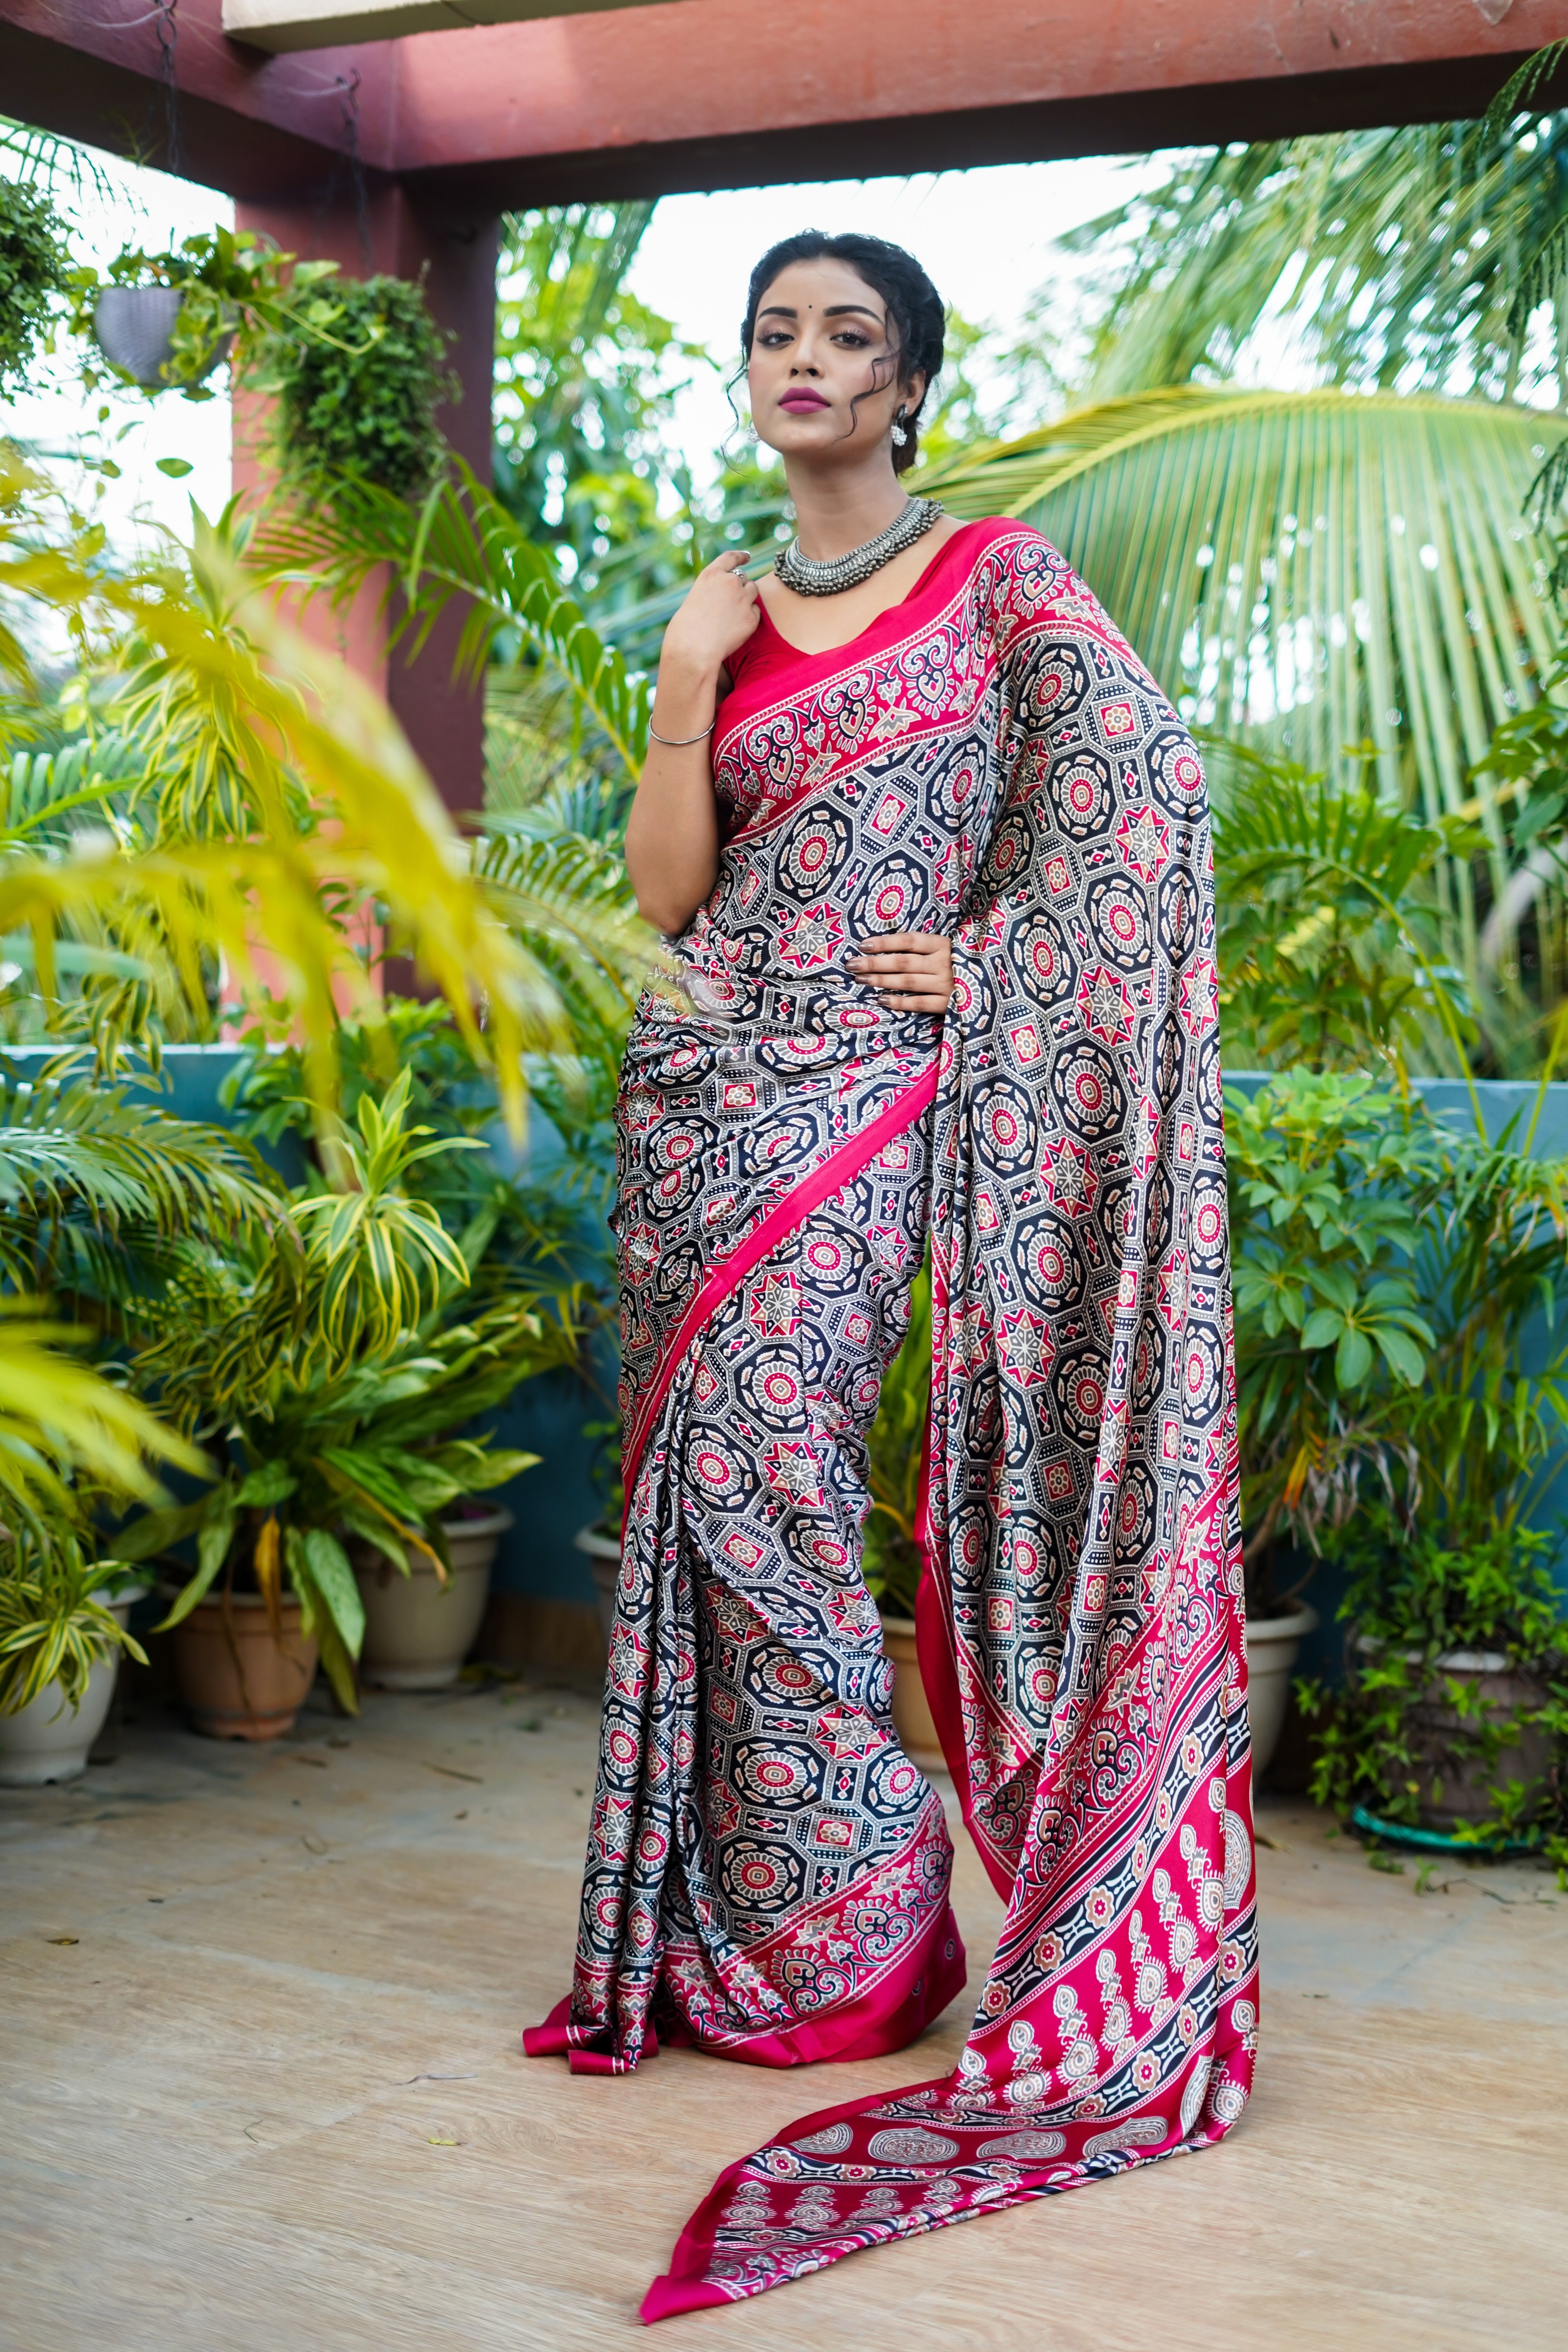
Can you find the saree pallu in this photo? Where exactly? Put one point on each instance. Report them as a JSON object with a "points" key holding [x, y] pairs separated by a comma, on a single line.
{"points": [[767, 1872]]}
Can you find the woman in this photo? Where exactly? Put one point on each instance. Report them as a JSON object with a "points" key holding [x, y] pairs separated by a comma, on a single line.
{"points": [[932, 853]]}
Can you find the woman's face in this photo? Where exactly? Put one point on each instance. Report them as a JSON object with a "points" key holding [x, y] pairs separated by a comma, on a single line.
{"points": [[824, 369]]}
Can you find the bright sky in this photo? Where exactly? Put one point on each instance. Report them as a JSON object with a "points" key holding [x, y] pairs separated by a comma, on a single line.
{"points": [[983, 237], [150, 209]]}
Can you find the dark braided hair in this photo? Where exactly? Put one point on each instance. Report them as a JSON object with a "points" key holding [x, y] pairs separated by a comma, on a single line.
{"points": [[914, 306]]}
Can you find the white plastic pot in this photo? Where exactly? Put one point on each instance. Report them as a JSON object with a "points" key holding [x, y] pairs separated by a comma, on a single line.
{"points": [[418, 1630], [49, 1739], [604, 1553], [1272, 1646]]}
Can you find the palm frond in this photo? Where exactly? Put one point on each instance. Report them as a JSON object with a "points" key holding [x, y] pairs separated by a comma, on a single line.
{"points": [[336, 810], [58, 1418], [1328, 577], [460, 544], [1393, 255], [122, 1172], [1520, 87]]}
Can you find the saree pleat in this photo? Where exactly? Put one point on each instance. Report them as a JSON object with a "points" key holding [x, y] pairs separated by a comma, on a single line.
{"points": [[767, 1872]]}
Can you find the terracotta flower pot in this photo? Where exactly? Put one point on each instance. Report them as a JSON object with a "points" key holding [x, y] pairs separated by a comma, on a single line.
{"points": [[417, 1630], [913, 1718], [236, 1682]]}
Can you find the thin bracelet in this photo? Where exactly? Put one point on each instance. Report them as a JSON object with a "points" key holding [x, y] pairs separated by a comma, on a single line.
{"points": [[680, 742]]}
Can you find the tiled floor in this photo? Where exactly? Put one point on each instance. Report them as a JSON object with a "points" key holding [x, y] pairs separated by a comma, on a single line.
{"points": [[270, 2097]]}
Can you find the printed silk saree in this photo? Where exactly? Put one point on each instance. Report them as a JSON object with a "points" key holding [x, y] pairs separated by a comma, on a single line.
{"points": [[767, 1872]]}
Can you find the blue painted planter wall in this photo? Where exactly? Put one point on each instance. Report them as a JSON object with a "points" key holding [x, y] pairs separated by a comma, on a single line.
{"points": [[546, 1416]]}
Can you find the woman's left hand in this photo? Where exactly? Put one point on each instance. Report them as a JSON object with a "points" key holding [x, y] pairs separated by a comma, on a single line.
{"points": [[911, 971]]}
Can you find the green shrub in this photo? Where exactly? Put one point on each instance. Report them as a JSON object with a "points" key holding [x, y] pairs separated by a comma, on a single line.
{"points": [[362, 402], [34, 267]]}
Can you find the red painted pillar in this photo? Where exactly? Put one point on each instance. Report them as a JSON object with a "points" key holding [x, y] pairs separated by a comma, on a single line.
{"points": [[455, 244]]}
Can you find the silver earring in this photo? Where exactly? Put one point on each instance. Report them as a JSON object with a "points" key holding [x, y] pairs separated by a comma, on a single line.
{"points": [[899, 435]]}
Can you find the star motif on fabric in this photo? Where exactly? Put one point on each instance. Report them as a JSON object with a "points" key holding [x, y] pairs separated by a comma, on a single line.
{"points": [[1104, 1007], [1171, 1291], [1143, 1143], [813, 939], [1070, 1177], [774, 1308], [971, 1338], [1026, 1347], [793, 1471], [628, 1661], [1198, 1000], [1144, 840], [845, 1732], [642, 1246]]}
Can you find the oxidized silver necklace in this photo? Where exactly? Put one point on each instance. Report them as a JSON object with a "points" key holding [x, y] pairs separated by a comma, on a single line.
{"points": [[809, 578]]}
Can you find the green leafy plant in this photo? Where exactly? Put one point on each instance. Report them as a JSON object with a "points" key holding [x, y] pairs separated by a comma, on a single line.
{"points": [[461, 544], [1327, 1176], [1306, 571], [894, 1561], [97, 1186], [53, 1625], [1330, 944], [236, 287], [35, 275], [326, 1370], [360, 403], [1407, 1729]]}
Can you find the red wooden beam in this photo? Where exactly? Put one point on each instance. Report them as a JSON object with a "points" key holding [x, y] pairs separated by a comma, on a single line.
{"points": [[712, 93], [717, 94]]}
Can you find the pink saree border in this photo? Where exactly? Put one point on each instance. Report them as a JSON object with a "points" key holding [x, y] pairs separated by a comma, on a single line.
{"points": [[729, 726], [836, 1171]]}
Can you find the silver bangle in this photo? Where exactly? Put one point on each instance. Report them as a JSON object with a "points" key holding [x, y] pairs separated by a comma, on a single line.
{"points": [[680, 742]]}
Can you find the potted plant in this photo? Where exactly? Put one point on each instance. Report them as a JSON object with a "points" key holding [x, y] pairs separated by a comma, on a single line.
{"points": [[1331, 1336], [165, 321], [321, 1370], [360, 403], [1455, 1706], [526, 1241], [64, 1618], [1452, 1715]]}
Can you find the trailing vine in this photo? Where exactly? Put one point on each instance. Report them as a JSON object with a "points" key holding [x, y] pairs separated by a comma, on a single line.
{"points": [[362, 404]]}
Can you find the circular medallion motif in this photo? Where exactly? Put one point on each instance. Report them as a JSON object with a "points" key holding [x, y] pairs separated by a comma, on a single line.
{"points": [[910, 2148]]}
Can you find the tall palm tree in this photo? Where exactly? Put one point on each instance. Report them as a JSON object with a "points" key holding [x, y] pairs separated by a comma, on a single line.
{"points": [[1396, 256], [1330, 577]]}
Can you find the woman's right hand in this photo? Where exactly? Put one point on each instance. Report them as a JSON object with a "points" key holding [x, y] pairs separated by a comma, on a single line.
{"points": [[721, 610]]}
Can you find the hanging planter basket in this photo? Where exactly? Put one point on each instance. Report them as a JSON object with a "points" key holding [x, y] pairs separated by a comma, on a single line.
{"points": [[136, 326]]}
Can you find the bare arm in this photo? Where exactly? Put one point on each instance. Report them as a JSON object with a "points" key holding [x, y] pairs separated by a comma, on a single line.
{"points": [[672, 833]]}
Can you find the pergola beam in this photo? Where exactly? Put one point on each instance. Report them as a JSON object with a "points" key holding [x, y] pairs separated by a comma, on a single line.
{"points": [[284, 26], [722, 93]]}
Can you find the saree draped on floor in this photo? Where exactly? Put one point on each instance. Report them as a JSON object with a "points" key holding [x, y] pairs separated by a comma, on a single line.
{"points": [[767, 1872]]}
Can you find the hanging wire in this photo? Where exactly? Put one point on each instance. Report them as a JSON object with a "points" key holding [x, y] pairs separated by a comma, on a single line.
{"points": [[168, 33], [349, 85]]}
